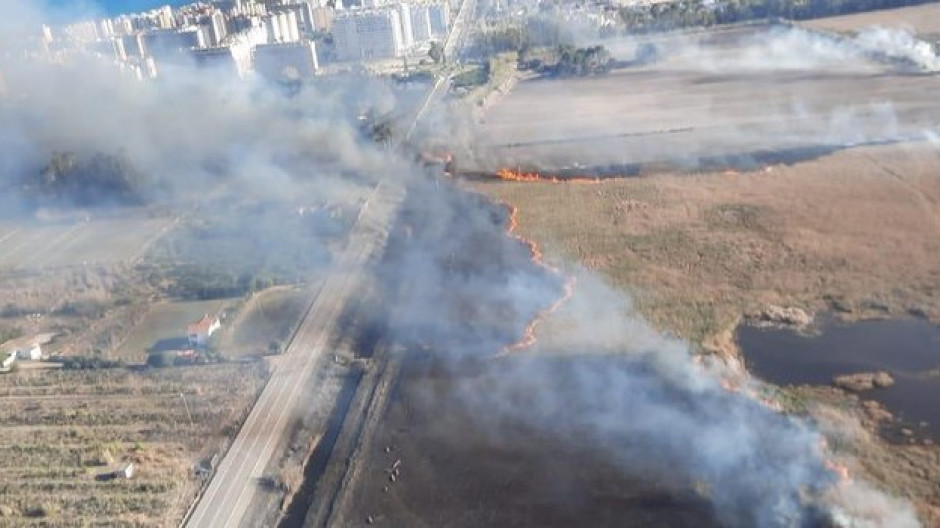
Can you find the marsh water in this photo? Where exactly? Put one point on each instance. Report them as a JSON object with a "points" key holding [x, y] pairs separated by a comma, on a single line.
{"points": [[909, 349]]}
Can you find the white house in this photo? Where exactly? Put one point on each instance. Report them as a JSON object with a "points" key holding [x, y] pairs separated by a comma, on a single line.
{"points": [[29, 352], [200, 331]]}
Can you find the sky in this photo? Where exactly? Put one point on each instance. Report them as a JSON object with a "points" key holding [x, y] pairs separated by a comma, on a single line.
{"points": [[110, 7]]}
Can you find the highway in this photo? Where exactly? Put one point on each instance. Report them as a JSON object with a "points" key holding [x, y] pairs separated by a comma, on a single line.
{"points": [[235, 482]]}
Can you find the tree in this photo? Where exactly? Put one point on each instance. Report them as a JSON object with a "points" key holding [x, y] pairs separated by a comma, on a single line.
{"points": [[87, 180], [436, 52]]}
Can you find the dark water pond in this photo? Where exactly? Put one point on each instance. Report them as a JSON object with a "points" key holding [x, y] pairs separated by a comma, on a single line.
{"points": [[909, 349]]}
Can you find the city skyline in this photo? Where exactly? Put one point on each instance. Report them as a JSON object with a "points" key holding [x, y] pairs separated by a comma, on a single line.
{"points": [[71, 9]]}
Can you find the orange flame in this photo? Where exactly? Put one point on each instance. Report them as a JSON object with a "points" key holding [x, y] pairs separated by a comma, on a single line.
{"points": [[830, 461], [839, 469], [528, 336], [520, 176], [833, 464]]}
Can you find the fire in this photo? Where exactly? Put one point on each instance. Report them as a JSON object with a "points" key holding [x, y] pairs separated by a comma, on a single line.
{"points": [[520, 176], [838, 469], [832, 463], [528, 336]]}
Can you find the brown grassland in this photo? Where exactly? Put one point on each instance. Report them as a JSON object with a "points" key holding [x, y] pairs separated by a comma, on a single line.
{"points": [[857, 231]]}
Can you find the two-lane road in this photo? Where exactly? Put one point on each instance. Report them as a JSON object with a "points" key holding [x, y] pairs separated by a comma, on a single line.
{"points": [[236, 481]]}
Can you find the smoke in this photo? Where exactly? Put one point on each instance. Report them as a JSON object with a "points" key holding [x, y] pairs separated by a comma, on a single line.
{"points": [[734, 98], [603, 380], [795, 48], [458, 283], [191, 129], [898, 44]]}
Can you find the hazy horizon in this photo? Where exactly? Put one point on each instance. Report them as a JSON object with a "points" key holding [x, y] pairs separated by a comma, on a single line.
{"points": [[72, 9]]}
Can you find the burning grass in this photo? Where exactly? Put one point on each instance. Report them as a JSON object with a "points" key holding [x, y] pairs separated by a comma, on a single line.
{"points": [[855, 231], [698, 251], [528, 336], [531, 177]]}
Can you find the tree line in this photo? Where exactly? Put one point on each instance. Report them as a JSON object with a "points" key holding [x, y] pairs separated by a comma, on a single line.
{"points": [[87, 180], [681, 14]]}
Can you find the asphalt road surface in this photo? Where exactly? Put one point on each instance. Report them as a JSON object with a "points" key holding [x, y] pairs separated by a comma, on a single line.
{"points": [[236, 481]]}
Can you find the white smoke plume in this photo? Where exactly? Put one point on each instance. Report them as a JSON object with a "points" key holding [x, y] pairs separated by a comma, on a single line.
{"points": [[458, 280], [898, 44]]}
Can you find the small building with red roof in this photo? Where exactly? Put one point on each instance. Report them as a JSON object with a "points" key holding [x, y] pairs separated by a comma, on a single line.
{"points": [[200, 331]]}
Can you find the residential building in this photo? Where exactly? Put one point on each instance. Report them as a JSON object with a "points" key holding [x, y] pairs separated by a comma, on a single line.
{"points": [[217, 28], [294, 60], [404, 16], [440, 18], [368, 34], [28, 352], [170, 43], [420, 23], [200, 331], [322, 19], [134, 45], [302, 12]]}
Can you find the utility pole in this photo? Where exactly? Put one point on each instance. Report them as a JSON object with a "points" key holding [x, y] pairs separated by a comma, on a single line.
{"points": [[192, 425]]}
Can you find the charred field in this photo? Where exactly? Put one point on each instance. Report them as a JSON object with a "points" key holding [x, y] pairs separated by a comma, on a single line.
{"points": [[755, 178], [763, 167], [437, 460]]}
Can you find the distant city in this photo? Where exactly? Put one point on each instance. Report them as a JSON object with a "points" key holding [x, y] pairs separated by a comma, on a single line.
{"points": [[275, 39]]}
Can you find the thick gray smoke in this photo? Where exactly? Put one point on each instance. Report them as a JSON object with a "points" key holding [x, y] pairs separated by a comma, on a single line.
{"points": [[604, 380], [190, 130], [459, 284]]}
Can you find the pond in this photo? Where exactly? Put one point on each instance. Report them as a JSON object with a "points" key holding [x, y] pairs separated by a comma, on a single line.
{"points": [[908, 349]]}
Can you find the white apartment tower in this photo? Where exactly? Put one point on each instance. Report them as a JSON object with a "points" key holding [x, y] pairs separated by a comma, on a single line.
{"points": [[420, 23], [407, 35], [440, 18], [217, 28], [368, 34]]}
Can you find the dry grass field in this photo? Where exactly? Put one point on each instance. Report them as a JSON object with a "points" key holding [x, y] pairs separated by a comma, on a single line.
{"points": [[62, 428], [165, 321], [924, 20], [268, 316], [858, 230], [698, 245]]}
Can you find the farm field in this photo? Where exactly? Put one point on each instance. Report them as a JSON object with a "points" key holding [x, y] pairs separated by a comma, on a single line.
{"points": [[76, 243], [696, 107], [62, 428], [924, 20], [166, 321]]}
